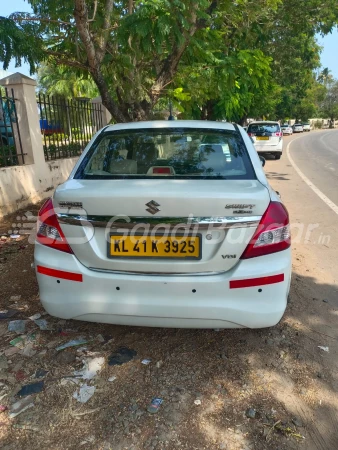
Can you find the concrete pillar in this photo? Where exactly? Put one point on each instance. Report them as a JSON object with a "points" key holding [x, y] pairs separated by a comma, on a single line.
{"points": [[28, 117], [105, 114]]}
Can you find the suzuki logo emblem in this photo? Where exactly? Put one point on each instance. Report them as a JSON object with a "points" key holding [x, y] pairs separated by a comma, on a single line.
{"points": [[152, 207]]}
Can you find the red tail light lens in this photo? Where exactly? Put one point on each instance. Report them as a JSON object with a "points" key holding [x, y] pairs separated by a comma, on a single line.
{"points": [[272, 234], [161, 170], [278, 134], [48, 229], [251, 134]]}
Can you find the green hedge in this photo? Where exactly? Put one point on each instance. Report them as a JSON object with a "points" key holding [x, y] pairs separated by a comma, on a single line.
{"points": [[62, 151], [8, 156]]}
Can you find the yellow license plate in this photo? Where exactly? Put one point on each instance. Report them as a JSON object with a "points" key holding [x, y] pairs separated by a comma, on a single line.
{"points": [[158, 246], [262, 138]]}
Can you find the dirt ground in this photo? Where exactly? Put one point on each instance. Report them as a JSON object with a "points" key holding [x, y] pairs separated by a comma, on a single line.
{"points": [[209, 380]]}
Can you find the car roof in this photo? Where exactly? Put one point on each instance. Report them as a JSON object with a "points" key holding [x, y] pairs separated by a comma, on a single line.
{"points": [[263, 121], [171, 124]]}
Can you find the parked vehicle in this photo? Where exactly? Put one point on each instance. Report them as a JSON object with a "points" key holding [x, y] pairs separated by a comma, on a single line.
{"points": [[166, 223], [306, 127], [298, 128], [49, 127], [286, 130], [267, 137]]}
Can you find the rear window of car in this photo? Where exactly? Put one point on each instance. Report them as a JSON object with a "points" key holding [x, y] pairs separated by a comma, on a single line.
{"points": [[264, 128], [168, 152]]}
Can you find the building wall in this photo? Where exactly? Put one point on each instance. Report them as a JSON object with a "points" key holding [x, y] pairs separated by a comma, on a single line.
{"points": [[23, 185]]}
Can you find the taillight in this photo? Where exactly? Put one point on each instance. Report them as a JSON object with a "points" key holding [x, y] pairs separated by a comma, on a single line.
{"points": [[277, 134], [48, 229], [251, 134], [272, 234], [162, 170]]}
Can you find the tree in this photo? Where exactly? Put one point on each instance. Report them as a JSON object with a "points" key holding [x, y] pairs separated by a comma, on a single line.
{"points": [[329, 107], [139, 52], [61, 80], [20, 42]]}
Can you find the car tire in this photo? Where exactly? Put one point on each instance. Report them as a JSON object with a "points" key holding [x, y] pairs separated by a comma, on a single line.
{"points": [[278, 155]]}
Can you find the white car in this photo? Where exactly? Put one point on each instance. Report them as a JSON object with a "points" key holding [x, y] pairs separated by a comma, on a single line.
{"points": [[166, 223], [267, 137], [286, 130], [298, 128], [306, 127]]}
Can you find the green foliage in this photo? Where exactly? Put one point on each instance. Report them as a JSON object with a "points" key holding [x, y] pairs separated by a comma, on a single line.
{"points": [[54, 151], [212, 59], [8, 155], [22, 42], [329, 105], [65, 82]]}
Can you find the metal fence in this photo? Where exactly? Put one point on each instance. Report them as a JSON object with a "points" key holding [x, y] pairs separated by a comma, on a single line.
{"points": [[11, 153], [67, 125]]}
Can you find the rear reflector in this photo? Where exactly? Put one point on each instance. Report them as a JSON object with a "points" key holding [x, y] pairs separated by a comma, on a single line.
{"points": [[60, 274], [252, 282]]}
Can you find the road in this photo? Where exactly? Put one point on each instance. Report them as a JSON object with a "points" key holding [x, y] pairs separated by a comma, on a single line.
{"points": [[208, 379], [307, 179]]}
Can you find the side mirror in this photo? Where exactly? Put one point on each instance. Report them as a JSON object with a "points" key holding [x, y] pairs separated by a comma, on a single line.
{"points": [[262, 160]]}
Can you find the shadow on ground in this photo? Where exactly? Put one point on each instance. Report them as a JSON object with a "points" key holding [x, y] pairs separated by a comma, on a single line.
{"points": [[279, 372]]}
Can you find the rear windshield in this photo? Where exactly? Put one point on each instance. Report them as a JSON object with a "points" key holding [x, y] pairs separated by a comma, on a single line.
{"points": [[170, 152], [263, 128]]}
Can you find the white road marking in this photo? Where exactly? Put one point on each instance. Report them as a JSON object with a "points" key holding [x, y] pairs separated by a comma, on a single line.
{"points": [[317, 191]]}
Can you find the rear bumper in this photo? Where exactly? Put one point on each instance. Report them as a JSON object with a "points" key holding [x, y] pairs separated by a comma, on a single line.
{"points": [[166, 301], [269, 148]]}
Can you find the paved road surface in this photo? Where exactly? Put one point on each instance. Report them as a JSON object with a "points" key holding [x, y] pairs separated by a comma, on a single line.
{"points": [[312, 158]]}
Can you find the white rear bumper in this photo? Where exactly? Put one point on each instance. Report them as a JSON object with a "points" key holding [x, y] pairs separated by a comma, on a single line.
{"points": [[269, 148], [166, 301]]}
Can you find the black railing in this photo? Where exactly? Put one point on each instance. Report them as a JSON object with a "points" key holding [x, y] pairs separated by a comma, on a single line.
{"points": [[67, 125], [11, 153]]}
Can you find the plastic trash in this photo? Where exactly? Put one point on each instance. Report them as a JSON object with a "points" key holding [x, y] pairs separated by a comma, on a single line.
{"points": [[121, 356], [91, 367], [40, 373], [35, 316], [14, 236], [154, 405], [146, 361], [42, 324], [73, 343], [21, 406], [29, 389], [29, 350], [325, 349], [18, 326], [68, 380], [8, 313], [113, 378], [18, 342], [197, 402], [84, 393]]}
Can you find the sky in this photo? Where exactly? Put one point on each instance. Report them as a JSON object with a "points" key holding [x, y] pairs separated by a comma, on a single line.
{"points": [[328, 57]]}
